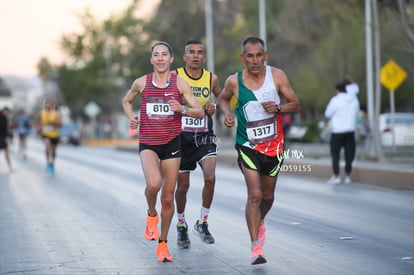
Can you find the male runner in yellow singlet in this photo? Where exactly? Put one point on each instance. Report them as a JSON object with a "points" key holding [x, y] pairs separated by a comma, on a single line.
{"points": [[49, 121], [198, 143]]}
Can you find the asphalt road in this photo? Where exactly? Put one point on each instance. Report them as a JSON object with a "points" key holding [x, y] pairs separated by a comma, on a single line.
{"points": [[89, 219]]}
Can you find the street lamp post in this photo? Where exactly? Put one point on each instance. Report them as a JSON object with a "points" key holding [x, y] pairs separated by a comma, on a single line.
{"points": [[262, 20], [209, 35]]}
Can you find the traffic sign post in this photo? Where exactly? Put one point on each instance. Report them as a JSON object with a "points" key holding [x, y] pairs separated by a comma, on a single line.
{"points": [[392, 76], [92, 110]]}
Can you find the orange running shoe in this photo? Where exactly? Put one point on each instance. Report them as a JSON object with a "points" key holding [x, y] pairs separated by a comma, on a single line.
{"points": [[162, 253], [257, 255], [151, 232], [261, 234]]}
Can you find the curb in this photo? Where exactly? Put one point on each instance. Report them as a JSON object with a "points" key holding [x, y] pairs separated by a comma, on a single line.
{"points": [[110, 142], [361, 174], [375, 174], [386, 175]]}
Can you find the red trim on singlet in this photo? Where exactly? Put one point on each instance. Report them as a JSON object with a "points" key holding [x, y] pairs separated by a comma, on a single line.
{"points": [[274, 147]]}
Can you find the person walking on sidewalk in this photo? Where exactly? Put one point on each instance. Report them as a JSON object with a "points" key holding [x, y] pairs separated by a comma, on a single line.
{"points": [[162, 94], [258, 89], [198, 143], [351, 87], [49, 121], [4, 135], [23, 128], [343, 111]]}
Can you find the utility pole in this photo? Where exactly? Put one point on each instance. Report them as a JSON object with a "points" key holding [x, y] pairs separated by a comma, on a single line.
{"points": [[374, 143], [406, 23], [262, 20], [369, 73], [209, 35], [377, 61]]}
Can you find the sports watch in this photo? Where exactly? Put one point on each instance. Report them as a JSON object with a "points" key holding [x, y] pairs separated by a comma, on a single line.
{"points": [[277, 108], [185, 110]]}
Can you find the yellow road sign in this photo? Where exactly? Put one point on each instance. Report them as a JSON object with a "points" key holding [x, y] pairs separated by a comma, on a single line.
{"points": [[392, 75]]}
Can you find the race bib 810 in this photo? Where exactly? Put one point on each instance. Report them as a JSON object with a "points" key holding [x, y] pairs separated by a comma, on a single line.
{"points": [[158, 108]]}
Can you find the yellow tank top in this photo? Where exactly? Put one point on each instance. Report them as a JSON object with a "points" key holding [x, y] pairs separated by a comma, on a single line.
{"points": [[47, 117], [201, 87]]}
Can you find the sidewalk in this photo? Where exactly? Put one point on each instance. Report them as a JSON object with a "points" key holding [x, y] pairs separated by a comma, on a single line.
{"points": [[313, 160]]}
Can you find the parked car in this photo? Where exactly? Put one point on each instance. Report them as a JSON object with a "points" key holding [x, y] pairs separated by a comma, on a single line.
{"points": [[296, 132], [403, 129], [69, 133]]}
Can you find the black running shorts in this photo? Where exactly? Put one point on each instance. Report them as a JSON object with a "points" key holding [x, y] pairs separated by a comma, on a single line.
{"points": [[254, 160], [53, 141], [3, 142], [192, 154], [169, 150]]}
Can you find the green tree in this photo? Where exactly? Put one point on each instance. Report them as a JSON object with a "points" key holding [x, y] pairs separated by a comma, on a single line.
{"points": [[106, 56], [316, 42]]}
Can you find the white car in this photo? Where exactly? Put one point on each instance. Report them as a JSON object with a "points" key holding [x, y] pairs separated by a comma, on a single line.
{"points": [[69, 133], [403, 129], [297, 132]]}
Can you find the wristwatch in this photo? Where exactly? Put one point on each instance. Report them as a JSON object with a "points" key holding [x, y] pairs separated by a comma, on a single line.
{"points": [[277, 108], [185, 110]]}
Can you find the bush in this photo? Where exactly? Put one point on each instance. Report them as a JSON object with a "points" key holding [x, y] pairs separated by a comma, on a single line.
{"points": [[312, 134]]}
